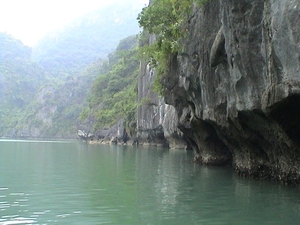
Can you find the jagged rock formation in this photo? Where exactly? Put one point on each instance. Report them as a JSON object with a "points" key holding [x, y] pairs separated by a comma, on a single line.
{"points": [[157, 121], [235, 90], [115, 134]]}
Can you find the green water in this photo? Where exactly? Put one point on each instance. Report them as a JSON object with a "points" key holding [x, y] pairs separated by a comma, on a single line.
{"points": [[75, 183]]}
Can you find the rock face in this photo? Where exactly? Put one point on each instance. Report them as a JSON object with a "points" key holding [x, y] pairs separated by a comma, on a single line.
{"points": [[235, 91], [115, 134], [157, 121]]}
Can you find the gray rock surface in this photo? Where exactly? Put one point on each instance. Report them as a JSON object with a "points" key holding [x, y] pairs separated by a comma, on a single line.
{"points": [[157, 121], [235, 90]]}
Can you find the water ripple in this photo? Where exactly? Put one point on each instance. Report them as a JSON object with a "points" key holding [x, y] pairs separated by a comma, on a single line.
{"points": [[3, 188], [18, 220]]}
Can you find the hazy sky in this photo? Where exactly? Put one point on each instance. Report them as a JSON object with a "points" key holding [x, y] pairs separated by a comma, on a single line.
{"points": [[29, 20]]}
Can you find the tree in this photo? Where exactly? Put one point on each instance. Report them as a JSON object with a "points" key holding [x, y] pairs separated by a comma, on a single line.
{"points": [[113, 95], [164, 19]]}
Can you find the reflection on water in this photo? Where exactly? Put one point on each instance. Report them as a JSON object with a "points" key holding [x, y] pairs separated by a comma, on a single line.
{"points": [[75, 183]]}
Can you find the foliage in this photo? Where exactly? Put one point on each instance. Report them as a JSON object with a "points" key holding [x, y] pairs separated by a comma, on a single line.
{"points": [[60, 60], [43, 90], [29, 100], [113, 94], [164, 19], [20, 78], [12, 49]]}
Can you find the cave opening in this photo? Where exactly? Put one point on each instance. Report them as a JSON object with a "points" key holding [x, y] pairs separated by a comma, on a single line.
{"points": [[287, 115]]}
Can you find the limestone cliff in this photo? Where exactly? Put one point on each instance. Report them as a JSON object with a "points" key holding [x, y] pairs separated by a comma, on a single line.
{"points": [[157, 122], [234, 93]]}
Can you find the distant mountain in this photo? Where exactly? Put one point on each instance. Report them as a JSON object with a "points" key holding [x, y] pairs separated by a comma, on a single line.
{"points": [[55, 109], [12, 49], [20, 80], [43, 90], [104, 91], [86, 39]]}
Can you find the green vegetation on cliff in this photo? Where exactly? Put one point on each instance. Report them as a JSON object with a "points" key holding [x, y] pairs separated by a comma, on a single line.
{"points": [[113, 95], [43, 89], [165, 19], [33, 105]]}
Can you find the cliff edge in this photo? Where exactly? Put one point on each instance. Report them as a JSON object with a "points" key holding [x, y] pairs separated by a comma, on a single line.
{"points": [[233, 94]]}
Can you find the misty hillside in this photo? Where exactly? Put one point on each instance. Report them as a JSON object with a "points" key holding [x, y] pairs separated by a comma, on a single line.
{"points": [[54, 111], [56, 106], [19, 76], [44, 89], [20, 79], [12, 49], [86, 39]]}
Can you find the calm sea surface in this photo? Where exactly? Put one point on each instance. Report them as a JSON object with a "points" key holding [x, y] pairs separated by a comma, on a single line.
{"points": [[75, 183]]}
